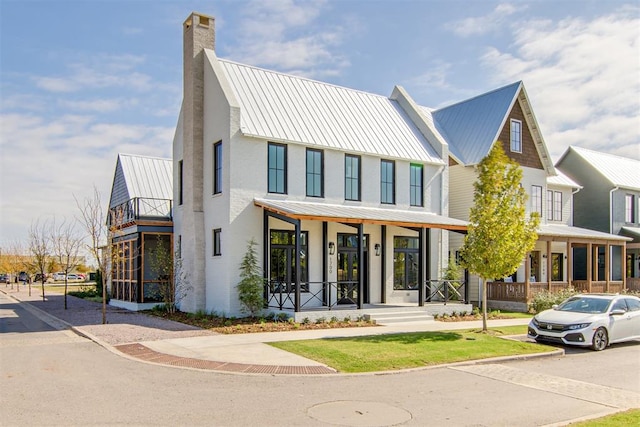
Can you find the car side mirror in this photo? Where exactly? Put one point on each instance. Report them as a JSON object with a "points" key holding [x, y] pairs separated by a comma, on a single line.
{"points": [[617, 312], [554, 306]]}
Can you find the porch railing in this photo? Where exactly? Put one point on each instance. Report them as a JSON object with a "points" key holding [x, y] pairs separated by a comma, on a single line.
{"points": [[445, 291], [517, 291], [139, 208], [328, 295]]}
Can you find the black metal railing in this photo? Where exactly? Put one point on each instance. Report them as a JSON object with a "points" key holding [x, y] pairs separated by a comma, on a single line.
{"points": [[445, 291], [140, 207], [281, 295]]}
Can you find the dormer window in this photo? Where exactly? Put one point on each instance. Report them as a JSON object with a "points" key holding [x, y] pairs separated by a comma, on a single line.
{"points": [[516, 136]]}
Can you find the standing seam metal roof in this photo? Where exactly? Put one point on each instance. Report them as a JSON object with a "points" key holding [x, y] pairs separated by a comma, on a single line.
{"points": [[147, 177], [620, 171], [282, 107], [472, 126]]}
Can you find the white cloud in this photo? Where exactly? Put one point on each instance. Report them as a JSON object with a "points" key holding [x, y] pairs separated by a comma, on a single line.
{"points": [[484, 24], [583, 77], [280, 34], [68, 155]]}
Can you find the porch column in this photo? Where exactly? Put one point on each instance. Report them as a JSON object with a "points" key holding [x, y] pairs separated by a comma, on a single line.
{"points": [[265, 257], [569, 264], [298, 268], [325, 264], [360, 264], [421, 277], [589, 266], [549, 265], [623, 260], [607, 265], [527, 274]]}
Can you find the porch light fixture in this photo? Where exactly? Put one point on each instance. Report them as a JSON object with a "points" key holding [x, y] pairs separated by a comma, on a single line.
{"points": [[332, 248], [544, 255], [376, 247]]}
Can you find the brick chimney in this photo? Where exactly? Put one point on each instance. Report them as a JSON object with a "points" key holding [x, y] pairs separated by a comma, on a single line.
{"points": [[199, 34]]}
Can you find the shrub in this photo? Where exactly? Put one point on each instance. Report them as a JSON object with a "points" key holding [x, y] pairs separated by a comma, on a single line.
{"points": [[545, 300], [334, 319], [347, 319], [281, 317], [321, 320], [306, 321]]}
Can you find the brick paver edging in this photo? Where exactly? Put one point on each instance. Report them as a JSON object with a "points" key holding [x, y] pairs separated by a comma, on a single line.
{"points": [[146, 354]]}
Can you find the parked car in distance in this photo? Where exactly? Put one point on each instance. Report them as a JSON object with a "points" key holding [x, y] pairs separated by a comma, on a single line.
{"points": [[58, 277], [594, 320], [72, 276], [39, 277], [23, 276], [4, 278]]}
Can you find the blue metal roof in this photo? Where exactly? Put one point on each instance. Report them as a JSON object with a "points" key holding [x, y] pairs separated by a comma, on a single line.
{"points": [[472, 126]]}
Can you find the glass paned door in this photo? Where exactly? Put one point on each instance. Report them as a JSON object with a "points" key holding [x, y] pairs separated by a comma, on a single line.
{"points": [[348, 265]]}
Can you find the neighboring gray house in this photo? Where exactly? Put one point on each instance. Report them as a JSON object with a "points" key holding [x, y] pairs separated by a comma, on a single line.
{"points": [[609, 199], [140, 218]]}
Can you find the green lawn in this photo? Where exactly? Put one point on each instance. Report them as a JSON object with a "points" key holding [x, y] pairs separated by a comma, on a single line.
{"points": [[411, 350], [627, 418]]}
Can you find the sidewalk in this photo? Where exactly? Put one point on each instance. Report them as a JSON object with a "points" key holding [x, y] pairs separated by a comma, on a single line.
{"points": [[155, 340]]}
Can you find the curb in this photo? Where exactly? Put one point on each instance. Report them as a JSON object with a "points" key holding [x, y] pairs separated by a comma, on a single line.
{"points": [[146, 355]]}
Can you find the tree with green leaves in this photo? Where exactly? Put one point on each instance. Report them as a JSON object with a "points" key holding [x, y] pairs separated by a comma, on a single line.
{"points": [[499, 234], [251, 285]]}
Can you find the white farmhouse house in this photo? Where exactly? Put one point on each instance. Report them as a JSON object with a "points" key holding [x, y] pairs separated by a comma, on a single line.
{"points": [[345, 192]]}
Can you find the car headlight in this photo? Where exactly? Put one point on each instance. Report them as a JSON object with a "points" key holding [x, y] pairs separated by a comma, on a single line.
{"points": [[534, 321], [578, 326]]}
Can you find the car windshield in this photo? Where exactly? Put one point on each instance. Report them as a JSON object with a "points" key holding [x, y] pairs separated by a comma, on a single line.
{"points": [[585, 305]]}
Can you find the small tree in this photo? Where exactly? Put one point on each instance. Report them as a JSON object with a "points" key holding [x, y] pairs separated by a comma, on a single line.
{"points": [[66, 245], [40, 249], [499, 233], [251, 285], [161, 264]]}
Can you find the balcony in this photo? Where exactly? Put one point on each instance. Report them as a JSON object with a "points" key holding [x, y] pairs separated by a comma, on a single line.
{"points": [[140, 209]]}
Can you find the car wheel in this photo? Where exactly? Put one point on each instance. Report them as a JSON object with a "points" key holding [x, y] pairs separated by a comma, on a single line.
{"points": [[600, 340]]}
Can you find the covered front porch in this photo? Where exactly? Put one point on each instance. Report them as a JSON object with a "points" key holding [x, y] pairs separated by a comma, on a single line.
{"points": [[323, 260], [564, 257]]}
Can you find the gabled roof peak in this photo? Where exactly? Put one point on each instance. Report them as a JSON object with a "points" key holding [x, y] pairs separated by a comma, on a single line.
{"points": [[511, 86]]}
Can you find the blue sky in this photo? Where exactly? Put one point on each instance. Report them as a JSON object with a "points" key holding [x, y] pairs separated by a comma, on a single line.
{"points": [[81, 81]]}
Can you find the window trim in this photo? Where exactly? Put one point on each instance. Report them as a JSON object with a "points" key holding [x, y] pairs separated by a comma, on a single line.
{"points": [[284, 168], [357, 179], [515, 132], [216, 242], [314, 173], [383, 183], [180, 182], [217, 167], [629, 208], [557, 206], [412, 187]]}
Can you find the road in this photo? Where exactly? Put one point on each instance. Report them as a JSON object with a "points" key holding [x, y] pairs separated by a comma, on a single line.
{"points": [[53, 377]]}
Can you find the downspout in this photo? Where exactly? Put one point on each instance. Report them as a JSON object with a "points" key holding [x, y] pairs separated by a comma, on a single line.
{"points": [[608, 254]]}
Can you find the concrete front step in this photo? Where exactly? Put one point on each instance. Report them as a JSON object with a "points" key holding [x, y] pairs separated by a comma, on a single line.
{"points": [[383, 318]]}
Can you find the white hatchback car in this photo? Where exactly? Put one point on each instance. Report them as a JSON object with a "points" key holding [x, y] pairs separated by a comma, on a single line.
{"points": [[594, 320]]}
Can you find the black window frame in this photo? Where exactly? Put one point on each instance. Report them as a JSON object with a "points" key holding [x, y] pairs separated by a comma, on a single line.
{"points": [[629, 208], [217, 167], [416, 190], [310, 155], [216, 242], [277, 169], [180, 182], [349, 180], [536, 207], [387, 186]]}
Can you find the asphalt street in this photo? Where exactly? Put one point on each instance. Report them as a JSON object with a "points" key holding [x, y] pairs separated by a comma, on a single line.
{"points": [[53, 377]]}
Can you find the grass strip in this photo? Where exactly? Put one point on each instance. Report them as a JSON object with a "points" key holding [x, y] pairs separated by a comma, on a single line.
{"points": [[410, 350]]}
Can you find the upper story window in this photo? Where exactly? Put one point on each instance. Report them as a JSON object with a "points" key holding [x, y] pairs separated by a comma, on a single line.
{"points": [[351, 177], [415, 185], [217, 167], [536, 199], [387, 181], [557, 205], [217, 242], [554, 205], [629, 208], [277, 179], [516, 136], [315, 173]]}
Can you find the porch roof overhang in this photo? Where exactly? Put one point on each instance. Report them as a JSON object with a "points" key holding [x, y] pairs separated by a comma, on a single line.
{"points": [[360, 214], [559, 232], [631, 232]]}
